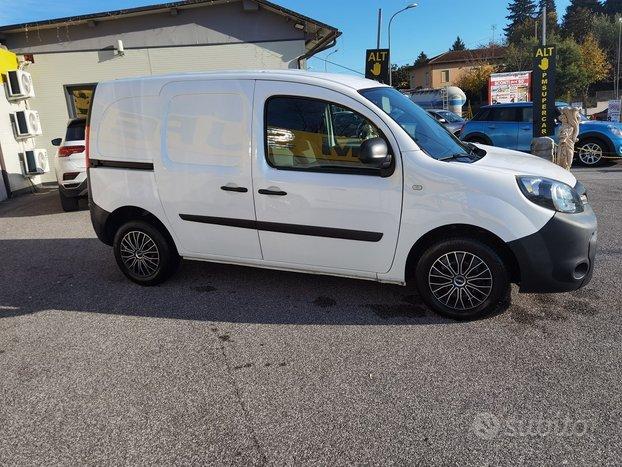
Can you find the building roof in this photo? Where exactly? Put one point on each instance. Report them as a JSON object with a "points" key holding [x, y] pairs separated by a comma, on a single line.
{"points": [[313, 25], [468, 55]]}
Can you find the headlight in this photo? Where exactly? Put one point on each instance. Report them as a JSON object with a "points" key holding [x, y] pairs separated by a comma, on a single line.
{"points": [[616, 131], [550, 194]]}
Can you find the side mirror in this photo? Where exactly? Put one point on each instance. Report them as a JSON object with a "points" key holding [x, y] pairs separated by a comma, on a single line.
{"points": [[442, 120], [57, 141], [375, 152]]}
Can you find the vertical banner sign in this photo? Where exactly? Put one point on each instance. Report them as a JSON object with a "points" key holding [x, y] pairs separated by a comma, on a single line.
{"points": [[543, 91], [377, 65]]}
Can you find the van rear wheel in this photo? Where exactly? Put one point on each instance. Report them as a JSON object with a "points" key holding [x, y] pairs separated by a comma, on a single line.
{"points": [[462, 278], [144, 254]]}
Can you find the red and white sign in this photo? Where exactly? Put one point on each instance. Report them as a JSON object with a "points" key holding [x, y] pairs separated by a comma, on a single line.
{"points": [[509, 87]]}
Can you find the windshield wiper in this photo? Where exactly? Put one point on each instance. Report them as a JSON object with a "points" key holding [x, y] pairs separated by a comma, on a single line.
{"points": [[457, 156]]}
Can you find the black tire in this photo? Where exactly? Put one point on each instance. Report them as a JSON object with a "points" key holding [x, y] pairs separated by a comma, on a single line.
{"points": [[466, 283], [590, 151], [68, 203], [144, 254]]}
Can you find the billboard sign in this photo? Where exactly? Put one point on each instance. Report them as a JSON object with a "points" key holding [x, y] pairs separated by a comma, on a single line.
{"points": [[377, 65], [543, 91], [509, 87]]}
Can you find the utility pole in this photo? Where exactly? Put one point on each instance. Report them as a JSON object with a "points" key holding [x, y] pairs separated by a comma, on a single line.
{"points": [[544, 24], [617, 83], [379, 25]]}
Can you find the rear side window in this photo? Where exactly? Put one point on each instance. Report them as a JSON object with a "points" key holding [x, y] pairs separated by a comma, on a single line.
{"points": [[526, 114], [310, 134], [75, 130], [482, 116], [504, 114]]}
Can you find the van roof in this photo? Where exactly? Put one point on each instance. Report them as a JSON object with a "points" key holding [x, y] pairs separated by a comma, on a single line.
{"points": [[351, 81]]}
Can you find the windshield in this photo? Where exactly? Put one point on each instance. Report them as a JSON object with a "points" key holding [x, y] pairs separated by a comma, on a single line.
{"points": [[449, 116], [430, 135]]}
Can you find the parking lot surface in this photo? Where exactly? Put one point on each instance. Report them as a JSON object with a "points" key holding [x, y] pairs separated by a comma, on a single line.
{"points": [[233, 365]]}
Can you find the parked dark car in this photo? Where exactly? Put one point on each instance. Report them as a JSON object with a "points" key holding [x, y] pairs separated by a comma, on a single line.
{"points": [[453, 122]]}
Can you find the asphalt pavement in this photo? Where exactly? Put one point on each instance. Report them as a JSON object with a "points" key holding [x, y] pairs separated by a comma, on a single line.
{"points": [[232, 365]]}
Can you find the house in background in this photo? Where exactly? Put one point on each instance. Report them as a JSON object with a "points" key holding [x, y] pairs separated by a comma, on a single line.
{"points": [[68, 56], [445, 69]]}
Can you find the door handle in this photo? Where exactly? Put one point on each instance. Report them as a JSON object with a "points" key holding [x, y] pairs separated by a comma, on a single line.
{"points": [[263, 191], [492, 126], [239, 189]]}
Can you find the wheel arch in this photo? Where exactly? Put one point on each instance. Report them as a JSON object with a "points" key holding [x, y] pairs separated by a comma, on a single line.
{"points": [[594, 135], [124, 214], [462, 230], [476, 135]]}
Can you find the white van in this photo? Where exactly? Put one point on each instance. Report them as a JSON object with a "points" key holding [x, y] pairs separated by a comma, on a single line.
{"points": [[327, 174]]}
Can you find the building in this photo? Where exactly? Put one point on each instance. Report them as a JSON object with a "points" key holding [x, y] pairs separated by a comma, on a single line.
{"points": [[67, 56], [445, 69]]}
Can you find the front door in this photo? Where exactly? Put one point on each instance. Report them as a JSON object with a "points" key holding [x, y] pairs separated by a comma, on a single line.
{"points": [[204, 175], [525, 128], [316, 203], [502, 127]]}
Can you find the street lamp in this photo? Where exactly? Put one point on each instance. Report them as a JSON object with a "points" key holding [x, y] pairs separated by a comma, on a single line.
{"points": [[326, 59], [407, 7], [617, 86]]}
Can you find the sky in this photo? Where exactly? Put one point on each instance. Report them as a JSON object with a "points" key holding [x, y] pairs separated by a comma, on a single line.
{"points": [[430, 27]]}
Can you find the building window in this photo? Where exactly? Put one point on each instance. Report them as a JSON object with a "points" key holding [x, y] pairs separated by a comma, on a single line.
{"points": [[444, 76], [78, 98]]}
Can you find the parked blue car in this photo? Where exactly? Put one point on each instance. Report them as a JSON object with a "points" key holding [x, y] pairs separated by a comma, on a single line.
{"points": [[511, 126]]}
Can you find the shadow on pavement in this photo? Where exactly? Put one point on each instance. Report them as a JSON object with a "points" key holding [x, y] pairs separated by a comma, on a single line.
{"points": [[81, 275], [44, 202]]}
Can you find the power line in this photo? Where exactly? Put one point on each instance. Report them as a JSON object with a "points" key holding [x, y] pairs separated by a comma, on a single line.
{"points": [[337, 64]]}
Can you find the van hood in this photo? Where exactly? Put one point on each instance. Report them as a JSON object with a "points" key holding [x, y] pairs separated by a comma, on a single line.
{"points": [[521, 163]]}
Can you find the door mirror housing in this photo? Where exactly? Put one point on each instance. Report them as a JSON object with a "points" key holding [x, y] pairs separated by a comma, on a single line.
{"points": [[442, 120], [375, 152], [57, 141]]}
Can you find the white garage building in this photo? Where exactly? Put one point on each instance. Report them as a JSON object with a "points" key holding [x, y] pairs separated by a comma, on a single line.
{"points": [[69, 55]]}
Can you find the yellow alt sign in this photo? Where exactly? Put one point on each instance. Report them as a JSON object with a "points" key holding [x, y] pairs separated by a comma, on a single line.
{"points": [[377, 65]]}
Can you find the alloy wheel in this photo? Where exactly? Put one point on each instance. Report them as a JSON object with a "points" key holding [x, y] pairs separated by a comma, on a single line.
{"points": [[140, 254], [590, 153], [460, 280]]}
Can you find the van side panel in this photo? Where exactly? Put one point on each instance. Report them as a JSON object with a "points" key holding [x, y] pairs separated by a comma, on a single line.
{"points": [[464, 194], [114, 188], [204, 172]]}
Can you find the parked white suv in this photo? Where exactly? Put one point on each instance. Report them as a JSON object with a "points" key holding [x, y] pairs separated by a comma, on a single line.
{"points": [[70, 165], [326, 174]]}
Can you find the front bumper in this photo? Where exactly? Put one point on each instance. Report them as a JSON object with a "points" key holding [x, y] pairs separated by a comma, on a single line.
{"points": [[560, 256]]}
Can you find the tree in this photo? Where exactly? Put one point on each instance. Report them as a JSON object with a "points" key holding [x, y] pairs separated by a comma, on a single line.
{"points": [[594, 61], [519, 12], [578, 18], [551, 15], [400, 76], [605, 30], [578, 66], [422, 59], [458, 44], [474, 81], [612, 7]]}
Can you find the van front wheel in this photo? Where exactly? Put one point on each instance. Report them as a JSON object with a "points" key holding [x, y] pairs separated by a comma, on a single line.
{"points": [[143, 254], [462, 278]]}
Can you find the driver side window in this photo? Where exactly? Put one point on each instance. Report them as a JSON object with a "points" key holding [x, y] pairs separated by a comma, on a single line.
{"points": [[315, 135]]}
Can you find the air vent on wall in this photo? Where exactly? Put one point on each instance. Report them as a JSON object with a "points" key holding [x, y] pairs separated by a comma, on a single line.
{"points": [[27, 123], [19, 85]]}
